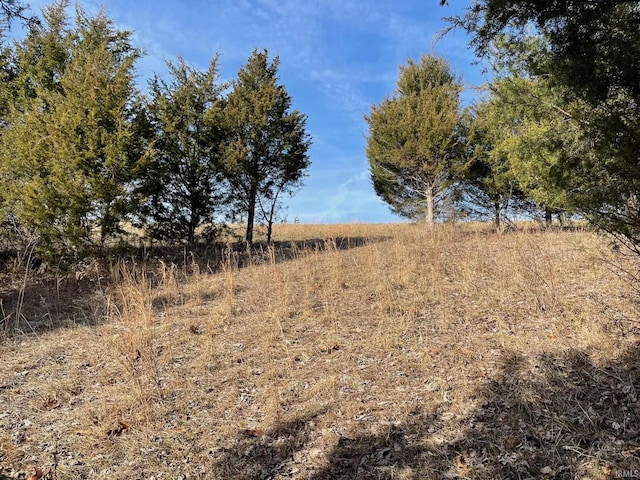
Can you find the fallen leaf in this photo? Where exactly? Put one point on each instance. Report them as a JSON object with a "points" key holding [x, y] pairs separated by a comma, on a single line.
{"points": [[511, 442], [333, 348], [50, 403], [119, 430], [463, 468], [34, 473]]}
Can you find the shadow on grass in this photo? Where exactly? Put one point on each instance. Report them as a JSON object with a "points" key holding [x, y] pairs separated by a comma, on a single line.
{"points": [[212, 257], [48, 300], [549, 416], [261, 455]]}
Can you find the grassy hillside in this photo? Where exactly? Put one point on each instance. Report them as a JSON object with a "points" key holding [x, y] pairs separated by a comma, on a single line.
{"points": [[353, 351]]}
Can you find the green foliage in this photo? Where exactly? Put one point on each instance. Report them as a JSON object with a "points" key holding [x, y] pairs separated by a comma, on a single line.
{"points": [[82, 153], [43, 55], [589, 51], [7, 76], [591, 47], [266, 152], [528, 143], [182, 188], [488, 183], [412, 144], [65, 156], [541, 136]]}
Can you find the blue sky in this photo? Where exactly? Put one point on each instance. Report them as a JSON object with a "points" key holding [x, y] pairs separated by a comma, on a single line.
{"points": [[337, 58]]}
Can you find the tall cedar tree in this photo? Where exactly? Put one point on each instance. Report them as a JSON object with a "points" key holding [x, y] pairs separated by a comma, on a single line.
{"points": [[489, 185], [591, 50], [520, 139], [267, 150], [412, 143], [183, 185], [66, 151], [530, 120]]}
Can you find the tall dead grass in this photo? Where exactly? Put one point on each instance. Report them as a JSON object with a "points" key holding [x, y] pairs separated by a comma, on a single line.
{"points": [[387, 351]]}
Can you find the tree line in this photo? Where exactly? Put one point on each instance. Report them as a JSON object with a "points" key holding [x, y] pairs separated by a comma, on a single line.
{"points": [[431, 159], [85, 153], [557, 129]]}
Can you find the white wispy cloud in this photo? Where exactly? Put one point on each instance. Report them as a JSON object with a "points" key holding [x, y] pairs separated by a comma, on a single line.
{"points": [[351, 201]]}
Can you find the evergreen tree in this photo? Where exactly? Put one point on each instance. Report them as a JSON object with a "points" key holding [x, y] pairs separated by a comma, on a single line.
{"points": [[42, 56], [412, 145], [533, 130], [184, 187], [267, 151], [66, 160], [589, 51], [488, 183], [7, 77], [541, 138]]}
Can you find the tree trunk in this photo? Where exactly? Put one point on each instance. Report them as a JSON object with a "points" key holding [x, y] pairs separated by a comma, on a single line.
{"points": [[548, 217], [269, 230], [194, 221], [272, 212], [191, 236], [430, 215], [251, 214], [496, 217]]}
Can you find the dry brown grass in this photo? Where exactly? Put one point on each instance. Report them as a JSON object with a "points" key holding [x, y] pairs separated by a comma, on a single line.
{"points": [[444, 353]]}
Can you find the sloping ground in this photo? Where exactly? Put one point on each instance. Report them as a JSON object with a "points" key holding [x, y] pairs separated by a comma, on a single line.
{"points": [[450, 353]]}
